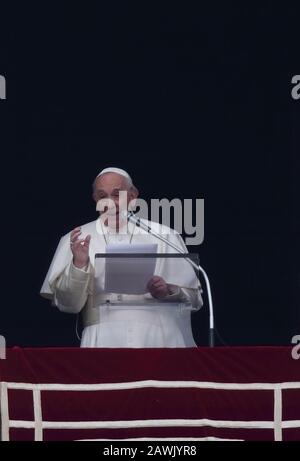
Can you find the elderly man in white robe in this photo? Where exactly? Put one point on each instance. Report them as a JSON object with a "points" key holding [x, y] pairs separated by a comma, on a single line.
{"points": [[70, 280]]}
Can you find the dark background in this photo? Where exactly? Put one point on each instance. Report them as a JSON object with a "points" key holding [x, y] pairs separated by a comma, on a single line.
{"points": [[193, 100]]}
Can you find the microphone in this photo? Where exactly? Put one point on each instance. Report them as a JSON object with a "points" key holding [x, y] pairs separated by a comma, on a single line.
{"points": [[137, 221]]}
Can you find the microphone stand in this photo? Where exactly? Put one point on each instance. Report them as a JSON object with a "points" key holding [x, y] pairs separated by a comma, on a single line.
{"points": [[139, 223]]}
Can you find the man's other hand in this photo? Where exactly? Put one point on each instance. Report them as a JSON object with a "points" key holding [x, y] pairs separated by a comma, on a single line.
{"points": [[158, 287]]}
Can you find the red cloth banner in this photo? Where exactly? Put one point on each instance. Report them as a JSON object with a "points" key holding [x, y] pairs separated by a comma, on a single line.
{"points": [[241, 393]]}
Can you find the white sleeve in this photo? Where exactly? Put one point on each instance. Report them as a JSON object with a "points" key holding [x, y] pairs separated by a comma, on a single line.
{"points": [[71, 288], [185, 295], [186, 287]]}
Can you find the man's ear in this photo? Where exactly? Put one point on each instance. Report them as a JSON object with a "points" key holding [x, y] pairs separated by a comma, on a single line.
{"points": [[134, 193], [94, 197]]}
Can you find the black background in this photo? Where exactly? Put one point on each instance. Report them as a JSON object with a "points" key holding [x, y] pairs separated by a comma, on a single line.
{"points": [[193, 100]]}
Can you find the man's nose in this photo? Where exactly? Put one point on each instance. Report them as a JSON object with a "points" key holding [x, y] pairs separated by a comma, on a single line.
{"points": [[108, 204]]}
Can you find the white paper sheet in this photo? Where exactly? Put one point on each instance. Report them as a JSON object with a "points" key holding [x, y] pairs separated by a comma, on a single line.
{"points": [[129, 275]]}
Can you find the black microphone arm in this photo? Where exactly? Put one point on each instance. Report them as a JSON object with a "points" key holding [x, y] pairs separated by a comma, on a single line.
{"points": [[131, 217]]}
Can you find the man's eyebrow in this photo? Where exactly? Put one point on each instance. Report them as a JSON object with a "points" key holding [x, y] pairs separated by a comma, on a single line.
{"points": [[115, 189]]}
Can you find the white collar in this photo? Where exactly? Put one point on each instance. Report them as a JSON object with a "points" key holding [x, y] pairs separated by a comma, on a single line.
{"points": [[127, 228]]}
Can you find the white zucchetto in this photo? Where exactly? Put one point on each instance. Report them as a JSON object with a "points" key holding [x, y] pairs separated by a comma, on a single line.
{"points": [[115, 170]]}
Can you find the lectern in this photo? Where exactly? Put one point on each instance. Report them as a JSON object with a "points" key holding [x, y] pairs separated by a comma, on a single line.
{"points": [[127, 312]]}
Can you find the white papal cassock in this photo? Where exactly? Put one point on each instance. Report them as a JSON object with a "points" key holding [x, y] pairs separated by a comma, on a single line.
{"points": [[134, 323]]}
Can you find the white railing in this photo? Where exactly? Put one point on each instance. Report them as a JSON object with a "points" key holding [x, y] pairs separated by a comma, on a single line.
{"points": [[277, 424]]}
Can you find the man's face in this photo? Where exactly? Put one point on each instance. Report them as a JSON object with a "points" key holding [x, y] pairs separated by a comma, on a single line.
{"points": [[108, 189]]}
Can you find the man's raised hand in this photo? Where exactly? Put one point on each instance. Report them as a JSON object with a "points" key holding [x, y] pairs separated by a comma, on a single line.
{"points": [[79, 248]]}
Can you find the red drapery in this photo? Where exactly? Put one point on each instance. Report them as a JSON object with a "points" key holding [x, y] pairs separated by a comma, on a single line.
{"points": [[177, 408]]}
